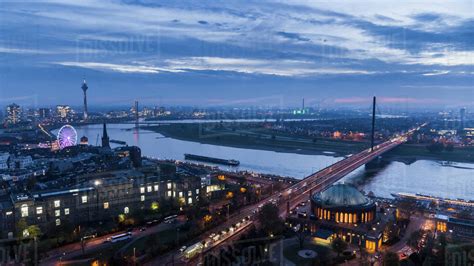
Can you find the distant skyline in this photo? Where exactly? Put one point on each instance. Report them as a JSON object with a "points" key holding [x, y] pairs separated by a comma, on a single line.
{"points": [[229, 53]]}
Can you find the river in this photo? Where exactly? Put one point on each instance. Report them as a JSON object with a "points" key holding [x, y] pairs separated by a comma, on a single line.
{"points": [[453, 180]]}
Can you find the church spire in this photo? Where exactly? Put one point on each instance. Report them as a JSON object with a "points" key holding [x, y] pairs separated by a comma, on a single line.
{"points": [[105, 137]]}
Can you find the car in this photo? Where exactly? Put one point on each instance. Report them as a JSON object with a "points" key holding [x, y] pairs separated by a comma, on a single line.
{"points": [[182, 249], [89, 236], [142, 229]]}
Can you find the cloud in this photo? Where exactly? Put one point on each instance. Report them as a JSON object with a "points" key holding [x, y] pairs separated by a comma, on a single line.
{"points": [[9, 50], [288, 68], [119, 68], [370, 43], [292, 36], [436, 73]]}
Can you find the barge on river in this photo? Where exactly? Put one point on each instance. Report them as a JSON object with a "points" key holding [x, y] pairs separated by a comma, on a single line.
{"points": [[195, 157]]}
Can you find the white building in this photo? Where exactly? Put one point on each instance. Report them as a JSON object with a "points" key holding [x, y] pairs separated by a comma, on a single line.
{"points": [[4, 160], [20, 162]]}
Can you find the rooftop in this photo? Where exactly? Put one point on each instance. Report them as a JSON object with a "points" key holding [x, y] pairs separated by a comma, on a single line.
{"points": [[341, 195]]}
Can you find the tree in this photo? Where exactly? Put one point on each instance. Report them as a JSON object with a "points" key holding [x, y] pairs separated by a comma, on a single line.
{"points": [[34, 231], [338, 245], [31, 183], [269, 219], [390, 232], [391, 259], [301, 235], [21, 226], [413, 239], [435, 147], [363, 255]]}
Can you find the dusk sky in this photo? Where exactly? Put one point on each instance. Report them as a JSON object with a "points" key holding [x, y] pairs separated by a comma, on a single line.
{"points": [[229, 53]]}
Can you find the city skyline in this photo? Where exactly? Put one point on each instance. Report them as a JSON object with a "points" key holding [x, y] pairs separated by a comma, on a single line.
{"points": [[207, 53], [260, 132]]}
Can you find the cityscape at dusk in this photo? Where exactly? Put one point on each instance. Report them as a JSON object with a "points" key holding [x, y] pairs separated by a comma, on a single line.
{"points": [[236, 133]]}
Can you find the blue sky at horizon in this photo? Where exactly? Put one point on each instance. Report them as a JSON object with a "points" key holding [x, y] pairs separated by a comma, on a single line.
{"points": [[220, 53]]}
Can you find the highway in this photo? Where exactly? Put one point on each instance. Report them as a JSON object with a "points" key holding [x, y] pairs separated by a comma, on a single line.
{"points": [[291, 196]]}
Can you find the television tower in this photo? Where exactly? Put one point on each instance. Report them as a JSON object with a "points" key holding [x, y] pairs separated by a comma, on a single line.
{"points": [[84, 89]]}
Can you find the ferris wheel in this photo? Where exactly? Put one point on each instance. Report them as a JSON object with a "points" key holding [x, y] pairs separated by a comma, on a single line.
{"points": [[67, 136]]}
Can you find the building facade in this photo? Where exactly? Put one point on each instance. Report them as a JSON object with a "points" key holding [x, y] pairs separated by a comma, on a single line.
{"points": [[102, 197]]}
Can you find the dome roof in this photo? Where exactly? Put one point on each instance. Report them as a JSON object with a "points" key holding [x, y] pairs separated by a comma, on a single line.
{"points": [[341, 195]]}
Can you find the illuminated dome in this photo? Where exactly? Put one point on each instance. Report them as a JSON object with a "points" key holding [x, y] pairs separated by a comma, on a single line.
{"points": [[341, 195], [343, 203]]}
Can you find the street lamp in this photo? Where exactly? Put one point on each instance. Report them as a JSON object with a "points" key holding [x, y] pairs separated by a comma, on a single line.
{"points": [[97, 183]]}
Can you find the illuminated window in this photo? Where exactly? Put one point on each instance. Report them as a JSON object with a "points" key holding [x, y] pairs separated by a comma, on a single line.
{"points": [[106, 205], [142, 198], [57, 203], [180, 194], [169, 193], [126, 210], [156, 187], [197, 190], [149, 189], [24, 210], [57, 213], [66, 211], [39, 210], [190, 193], [84, 199], [169, 185], [58, 222], [142, 190], [190, 200]]}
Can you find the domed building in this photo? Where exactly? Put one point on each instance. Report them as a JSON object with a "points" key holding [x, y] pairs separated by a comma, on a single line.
{"points": [[343, 211], [84, 141], [342, 203]]}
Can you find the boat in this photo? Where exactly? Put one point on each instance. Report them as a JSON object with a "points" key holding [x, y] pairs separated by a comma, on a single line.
{"points": [[118, 142], [195, 157]]}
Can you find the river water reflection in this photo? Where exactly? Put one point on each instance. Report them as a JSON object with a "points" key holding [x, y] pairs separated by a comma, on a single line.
{"points": [[428, 177]]}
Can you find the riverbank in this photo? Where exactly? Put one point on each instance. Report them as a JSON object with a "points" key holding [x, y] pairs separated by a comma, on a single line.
{"points": [[249, 138]]}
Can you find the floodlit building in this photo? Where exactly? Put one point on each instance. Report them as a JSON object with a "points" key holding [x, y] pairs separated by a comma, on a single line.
{"points": [[13, 114], [102, 197], [63, 111], [345, 212]]}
